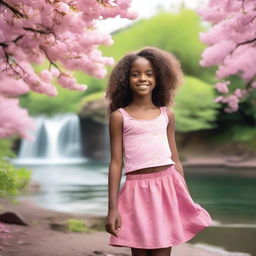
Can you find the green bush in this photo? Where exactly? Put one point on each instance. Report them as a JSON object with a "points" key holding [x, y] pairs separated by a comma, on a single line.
{"points": [[245, 135], [40, 104], [12, 179], [194, 107]]}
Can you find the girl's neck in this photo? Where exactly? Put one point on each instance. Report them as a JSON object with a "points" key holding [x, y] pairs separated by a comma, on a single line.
{"points": [[140, 102]]}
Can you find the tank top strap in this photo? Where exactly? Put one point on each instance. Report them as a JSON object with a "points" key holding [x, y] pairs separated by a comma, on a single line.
{"points": [[164, 113], [124, 113]]}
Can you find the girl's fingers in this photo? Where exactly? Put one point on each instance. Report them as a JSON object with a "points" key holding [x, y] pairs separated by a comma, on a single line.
{"points": [[110, 229], [118, 223]]}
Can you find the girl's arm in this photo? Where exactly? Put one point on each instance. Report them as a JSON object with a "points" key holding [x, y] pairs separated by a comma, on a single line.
{"points": [[116, 162], [171, 140], [113, 221]]}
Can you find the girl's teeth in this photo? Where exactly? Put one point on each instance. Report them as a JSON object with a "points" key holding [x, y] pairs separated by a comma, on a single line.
{"points": [[143, 86]]}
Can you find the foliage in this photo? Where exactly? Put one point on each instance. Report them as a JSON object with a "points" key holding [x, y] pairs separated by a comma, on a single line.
{"points": [[5, 148], [194, 106], [65, 101], [12, 180], [231, 47], [173, 32], [245, 134], [31, 32], [170, 23]]}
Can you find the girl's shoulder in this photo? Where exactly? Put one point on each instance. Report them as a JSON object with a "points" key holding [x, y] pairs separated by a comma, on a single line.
{"points": [[115, 115], [169, 109], [170, 112]]}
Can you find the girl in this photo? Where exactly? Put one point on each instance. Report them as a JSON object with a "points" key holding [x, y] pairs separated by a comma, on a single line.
{"points": [[153, 210]]}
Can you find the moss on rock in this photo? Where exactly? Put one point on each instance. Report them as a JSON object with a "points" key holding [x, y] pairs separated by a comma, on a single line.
{"points": [[94, 107]]}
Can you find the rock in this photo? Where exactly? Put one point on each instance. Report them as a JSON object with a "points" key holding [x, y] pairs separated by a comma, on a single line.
{"points": [[94, 109], [12, 218], [94, 127], [95, 140], [98, 252]]}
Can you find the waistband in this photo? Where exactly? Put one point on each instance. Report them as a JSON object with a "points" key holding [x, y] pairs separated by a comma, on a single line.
{"points": [[151, 175]]}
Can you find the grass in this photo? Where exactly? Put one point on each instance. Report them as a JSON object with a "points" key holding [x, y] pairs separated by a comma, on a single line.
{"points": [[75, 225]]}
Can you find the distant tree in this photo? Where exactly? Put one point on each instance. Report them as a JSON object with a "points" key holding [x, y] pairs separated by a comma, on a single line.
{"points": [[173, 32]]}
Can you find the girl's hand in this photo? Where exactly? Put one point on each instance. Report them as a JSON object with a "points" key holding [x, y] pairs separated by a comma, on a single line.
{"points": [[113, 222]]}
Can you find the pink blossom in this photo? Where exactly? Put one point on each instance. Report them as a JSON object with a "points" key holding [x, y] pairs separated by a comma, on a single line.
{"points": [[46, 76], [67, 81], [55, 72], [214, 55], [232, 101], [62, 32], [13, 119], [239, 93], [222, 86], [253, 84], [13, 87], [231, 45], [62, 7], [219, 99]]}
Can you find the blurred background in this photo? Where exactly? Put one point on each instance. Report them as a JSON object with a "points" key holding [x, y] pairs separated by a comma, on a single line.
{"points": [[70, 155]]}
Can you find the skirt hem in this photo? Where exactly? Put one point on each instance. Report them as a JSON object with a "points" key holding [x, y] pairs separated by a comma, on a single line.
{"points": [[134, 245]]}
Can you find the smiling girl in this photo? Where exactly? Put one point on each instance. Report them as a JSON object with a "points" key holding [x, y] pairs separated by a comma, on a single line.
{"points": [[154, 210]]}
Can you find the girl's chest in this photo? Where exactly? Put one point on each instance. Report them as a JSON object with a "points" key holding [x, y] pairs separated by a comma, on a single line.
{"points": [[144, 127]]}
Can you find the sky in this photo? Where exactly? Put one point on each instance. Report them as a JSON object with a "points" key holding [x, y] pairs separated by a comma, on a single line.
{"points": [[147, 9]]}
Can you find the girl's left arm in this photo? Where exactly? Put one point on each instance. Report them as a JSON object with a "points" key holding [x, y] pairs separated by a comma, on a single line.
{"points": [[172, 142]]}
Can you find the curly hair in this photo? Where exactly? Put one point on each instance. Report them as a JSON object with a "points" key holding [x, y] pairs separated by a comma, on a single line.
{"points": [[168, 72]]}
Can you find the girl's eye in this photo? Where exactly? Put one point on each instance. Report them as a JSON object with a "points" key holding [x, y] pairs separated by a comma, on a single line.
{"points": [[136, 74]]}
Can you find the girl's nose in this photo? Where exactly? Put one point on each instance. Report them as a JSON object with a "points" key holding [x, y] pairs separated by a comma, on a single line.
{"points": [[142, 77]]}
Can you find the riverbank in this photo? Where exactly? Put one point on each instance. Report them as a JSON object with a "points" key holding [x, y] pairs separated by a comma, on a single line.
{"points": [[221, 165], [39, 239], [200, 157]]}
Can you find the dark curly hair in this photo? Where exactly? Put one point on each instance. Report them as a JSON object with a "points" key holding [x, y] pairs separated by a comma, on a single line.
{"points": [[168, 77]]}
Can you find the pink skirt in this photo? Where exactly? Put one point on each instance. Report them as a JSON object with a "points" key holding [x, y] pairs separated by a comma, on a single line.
{"points": [[157, 211]]}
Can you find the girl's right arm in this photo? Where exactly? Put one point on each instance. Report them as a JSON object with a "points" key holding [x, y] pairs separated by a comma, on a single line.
{"points": [[115, 171]]}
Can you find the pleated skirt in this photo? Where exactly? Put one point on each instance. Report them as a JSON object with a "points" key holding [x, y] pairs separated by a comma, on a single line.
{"points": [[157, 211]]}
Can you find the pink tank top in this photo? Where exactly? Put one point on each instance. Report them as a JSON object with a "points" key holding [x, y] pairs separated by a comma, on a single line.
{"points": [[145, 142]]}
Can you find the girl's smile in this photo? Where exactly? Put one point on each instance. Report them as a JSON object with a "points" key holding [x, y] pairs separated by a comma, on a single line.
{"points": [[142, 76]]}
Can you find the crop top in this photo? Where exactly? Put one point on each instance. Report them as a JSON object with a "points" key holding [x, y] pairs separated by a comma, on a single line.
{"points": [[145, 141]]}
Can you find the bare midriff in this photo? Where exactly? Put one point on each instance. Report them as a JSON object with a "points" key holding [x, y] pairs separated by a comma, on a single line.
{"points": [[150, 169]]}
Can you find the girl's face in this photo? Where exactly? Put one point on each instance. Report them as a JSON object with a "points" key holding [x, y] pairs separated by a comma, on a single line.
{"points": [[142, 76]]}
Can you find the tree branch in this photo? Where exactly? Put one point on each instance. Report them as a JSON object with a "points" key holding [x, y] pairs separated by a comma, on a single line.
{"points": [[246, 42], [14, 10], [48, 57], [37, 30]]}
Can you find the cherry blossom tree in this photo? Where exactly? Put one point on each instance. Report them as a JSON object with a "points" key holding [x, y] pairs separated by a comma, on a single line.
{"points": [[64, 33], [231, 44]]}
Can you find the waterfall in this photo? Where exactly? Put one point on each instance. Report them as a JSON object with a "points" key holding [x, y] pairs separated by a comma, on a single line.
{"points": [[57, 141]]}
